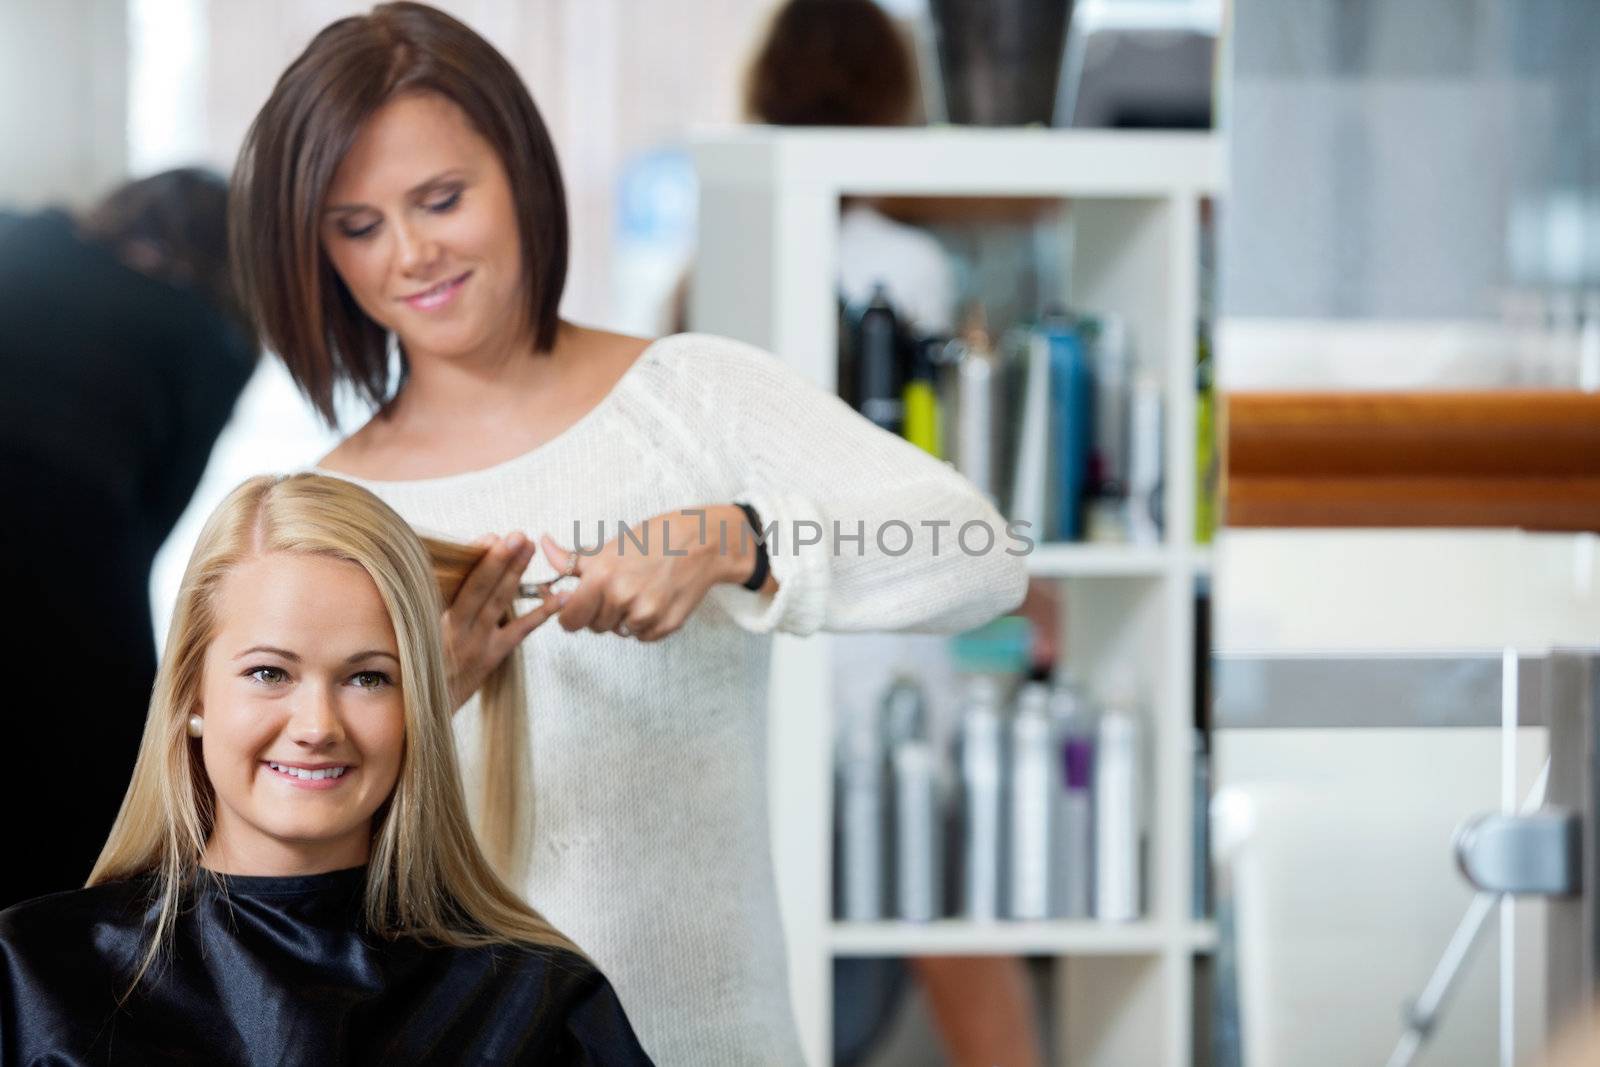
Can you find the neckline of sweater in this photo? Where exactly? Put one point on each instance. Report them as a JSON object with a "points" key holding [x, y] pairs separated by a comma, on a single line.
{"points": [[450, 480]]}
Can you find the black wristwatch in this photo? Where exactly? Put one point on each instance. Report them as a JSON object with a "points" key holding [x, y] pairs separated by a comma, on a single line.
{"points": [[758, 577]]}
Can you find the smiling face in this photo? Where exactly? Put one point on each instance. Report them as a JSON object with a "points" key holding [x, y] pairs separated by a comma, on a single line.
{"points": [[304, 720], [419, 224]]}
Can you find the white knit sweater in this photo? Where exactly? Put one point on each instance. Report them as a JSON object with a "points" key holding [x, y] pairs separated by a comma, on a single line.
{"points": [[650, 840]]}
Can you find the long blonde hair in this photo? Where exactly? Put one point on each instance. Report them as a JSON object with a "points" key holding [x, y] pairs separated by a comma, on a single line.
{"points": [[427, 876], [503, 817]]}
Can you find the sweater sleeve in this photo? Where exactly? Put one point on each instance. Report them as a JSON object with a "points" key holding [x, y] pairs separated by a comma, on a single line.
{"points": [[866, 531]]}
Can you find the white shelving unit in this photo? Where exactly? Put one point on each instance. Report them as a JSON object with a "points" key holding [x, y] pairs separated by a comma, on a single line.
{"points": [[765, 273]]}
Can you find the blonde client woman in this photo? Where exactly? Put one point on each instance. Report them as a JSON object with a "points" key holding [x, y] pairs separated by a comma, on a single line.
{"points": [[292, 877], [399, 181]]}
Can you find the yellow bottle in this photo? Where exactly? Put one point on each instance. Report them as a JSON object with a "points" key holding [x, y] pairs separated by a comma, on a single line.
{"points": [[921, 399]]}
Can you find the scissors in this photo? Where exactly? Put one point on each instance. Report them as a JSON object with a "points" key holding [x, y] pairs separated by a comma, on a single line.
{"points": [[542, 590]]}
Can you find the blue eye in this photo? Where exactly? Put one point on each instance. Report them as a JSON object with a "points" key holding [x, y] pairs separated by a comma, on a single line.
{"points": [[276, 671], [439, 207], [376, 680]]}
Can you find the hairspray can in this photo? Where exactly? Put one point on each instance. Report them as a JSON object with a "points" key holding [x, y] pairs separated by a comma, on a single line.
{"points": [[1117, 837], [979, 419], [861, 817], [917, 880], [1071, 397], [916, 886], [877, 363], [1113, 385], [981, 776], [1073, 889], [1077, 850], [1030, 804], [1031, 500]]}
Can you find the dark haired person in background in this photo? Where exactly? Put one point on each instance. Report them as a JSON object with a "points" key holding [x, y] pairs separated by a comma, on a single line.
{"points": [[832, 63], [845, 63], [124, 350]]}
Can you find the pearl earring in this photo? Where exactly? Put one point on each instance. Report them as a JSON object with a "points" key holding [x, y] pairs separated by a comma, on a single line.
{"points": [[197, 726]]}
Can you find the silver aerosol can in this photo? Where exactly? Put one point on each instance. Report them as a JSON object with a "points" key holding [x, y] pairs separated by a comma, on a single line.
{"points": [[979, 414], [1073, 889], [1113, 385], [917, 882], [982, 809], [1029, 800], [914, 766], [1118, 836], [860, 793]]}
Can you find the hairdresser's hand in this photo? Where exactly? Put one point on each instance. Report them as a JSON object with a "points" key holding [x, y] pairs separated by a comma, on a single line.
{"points": [[481, 626], [645, 583]]}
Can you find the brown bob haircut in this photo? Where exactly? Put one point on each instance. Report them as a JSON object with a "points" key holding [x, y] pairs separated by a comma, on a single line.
{"points": [[294, 146]]}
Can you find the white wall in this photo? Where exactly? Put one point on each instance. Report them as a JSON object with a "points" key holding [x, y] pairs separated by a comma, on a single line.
{"points": [[63, 88]]}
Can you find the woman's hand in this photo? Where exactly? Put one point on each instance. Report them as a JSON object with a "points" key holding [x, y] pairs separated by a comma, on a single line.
{"points": [[481, 626], [647, 582]]}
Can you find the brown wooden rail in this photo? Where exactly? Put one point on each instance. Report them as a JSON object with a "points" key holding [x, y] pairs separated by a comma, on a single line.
{"points": [[1513, 458]]}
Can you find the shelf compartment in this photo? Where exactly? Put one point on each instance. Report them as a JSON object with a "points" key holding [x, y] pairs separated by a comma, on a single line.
{"points": [[1059, 937]]}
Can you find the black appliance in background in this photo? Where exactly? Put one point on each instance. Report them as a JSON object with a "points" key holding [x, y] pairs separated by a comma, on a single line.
{"points": [[1000, 60], [1024, 62]]}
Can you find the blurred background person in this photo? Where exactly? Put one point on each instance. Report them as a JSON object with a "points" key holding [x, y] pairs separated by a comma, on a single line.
{"points": [[845, 63], [125, 350]]}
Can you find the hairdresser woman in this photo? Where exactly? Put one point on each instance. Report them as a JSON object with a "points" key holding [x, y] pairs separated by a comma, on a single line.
{"points": [[400, 182]]}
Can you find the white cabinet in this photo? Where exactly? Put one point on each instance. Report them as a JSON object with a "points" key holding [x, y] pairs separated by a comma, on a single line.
{"points": [[766, 273]]}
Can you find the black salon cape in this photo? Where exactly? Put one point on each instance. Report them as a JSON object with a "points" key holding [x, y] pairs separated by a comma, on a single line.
{"points": [[277, 971]]}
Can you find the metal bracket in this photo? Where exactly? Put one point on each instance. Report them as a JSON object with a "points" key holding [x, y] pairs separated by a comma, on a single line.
{"points": [[1537, 853]]}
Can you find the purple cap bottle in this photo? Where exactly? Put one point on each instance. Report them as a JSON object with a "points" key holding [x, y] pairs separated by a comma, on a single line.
{"points": [[1079, 762]]}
